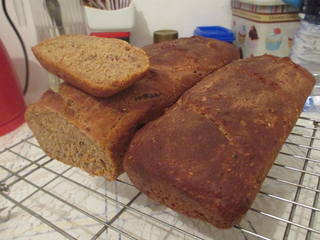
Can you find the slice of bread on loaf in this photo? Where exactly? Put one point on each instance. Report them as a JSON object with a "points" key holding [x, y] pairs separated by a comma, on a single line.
{"points": [[98, 66]]}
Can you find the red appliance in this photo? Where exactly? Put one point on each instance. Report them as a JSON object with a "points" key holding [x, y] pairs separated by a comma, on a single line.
{"points": [[12, 106]]}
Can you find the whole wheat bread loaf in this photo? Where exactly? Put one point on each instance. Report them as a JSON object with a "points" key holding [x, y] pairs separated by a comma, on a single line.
{"points": [[208, 155], [98, 66], [94, 133]]}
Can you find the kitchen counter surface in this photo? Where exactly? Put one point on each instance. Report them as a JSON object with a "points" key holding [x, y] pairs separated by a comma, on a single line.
{"points": [[79, 205]]}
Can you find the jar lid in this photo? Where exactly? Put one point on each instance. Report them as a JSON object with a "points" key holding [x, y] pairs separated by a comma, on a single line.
{"points": [[311, 7], [215, 32], [311, 2], [311, 10], [164, 35]]}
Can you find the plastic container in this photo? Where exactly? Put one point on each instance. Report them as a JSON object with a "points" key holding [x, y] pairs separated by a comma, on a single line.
{"points": [[295, 3], [306, 50], [12, 106], [121, 20], [215, 32]]}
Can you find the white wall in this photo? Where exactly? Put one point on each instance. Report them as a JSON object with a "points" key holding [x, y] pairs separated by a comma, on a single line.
{"points": [[152, 15], [182, 15]]}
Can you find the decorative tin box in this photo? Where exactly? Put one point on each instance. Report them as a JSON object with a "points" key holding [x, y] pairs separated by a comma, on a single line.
{"points": [[264, 26]]}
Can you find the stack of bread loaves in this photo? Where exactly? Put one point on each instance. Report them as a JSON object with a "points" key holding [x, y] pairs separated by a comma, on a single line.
{"points": [[78, 128], [206, 156]]}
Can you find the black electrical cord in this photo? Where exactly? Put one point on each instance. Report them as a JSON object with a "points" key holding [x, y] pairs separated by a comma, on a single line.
{"points": [[25, 53]]}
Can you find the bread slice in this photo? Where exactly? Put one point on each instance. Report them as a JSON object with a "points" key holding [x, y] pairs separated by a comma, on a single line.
{"points": [[98, 66]]}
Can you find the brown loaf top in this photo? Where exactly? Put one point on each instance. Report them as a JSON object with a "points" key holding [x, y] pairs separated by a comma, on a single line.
{"points": [[93, 133], [187, 60], [208, 155]]}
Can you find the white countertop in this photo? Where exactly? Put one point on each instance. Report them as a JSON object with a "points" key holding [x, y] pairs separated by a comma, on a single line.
{"points": [[93, 195]]}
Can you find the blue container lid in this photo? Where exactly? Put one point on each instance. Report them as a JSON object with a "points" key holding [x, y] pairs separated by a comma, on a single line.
{"points": [[215, 32]]}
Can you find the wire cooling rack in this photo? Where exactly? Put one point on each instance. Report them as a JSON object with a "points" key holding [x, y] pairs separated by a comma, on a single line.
{"points": [[42, 198]]}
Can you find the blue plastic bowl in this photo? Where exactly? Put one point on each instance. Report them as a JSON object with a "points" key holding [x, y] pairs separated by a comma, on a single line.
{"points": [[216, 32]]}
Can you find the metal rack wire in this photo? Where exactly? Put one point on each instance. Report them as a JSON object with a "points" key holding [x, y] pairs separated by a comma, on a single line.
{"points": [[287, 206]]}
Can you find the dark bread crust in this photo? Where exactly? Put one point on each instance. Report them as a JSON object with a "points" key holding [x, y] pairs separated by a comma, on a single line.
{"points": [[208, 155], [112, 122]]}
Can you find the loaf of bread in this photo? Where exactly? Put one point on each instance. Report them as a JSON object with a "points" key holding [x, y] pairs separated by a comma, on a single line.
{"points": [[94, 133], [208, 155], [98, 66]]}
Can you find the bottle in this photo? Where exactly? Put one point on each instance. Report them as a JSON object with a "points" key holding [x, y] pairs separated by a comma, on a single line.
{"points": [[306, 49]]}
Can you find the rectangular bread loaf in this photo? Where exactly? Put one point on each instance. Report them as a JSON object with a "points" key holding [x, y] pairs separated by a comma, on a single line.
{"points": [[208, 155], [94, 133]]}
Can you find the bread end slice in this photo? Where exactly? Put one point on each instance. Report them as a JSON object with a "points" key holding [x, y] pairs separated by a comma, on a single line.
{"points": [[62, 139], [99, 66]]}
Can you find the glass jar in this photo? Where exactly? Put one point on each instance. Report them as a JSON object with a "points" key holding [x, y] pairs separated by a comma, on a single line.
{"points": [[58, 17]]}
